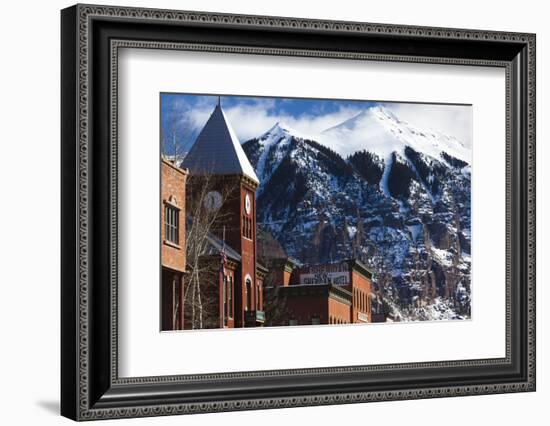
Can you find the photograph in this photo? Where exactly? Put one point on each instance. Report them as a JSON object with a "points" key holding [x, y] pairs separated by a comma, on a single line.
{"points": [[346, 207], [280, 211]]}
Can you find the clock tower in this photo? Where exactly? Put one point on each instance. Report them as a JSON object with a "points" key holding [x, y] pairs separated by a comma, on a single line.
{"points": [[218, 157]]}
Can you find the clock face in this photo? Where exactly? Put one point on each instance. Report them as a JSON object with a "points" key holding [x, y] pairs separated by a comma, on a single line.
{"points": [[213, 201], [247, 204]]}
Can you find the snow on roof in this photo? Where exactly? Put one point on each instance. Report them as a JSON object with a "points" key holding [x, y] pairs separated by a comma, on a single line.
{"points": [[215, 245], [217, 150]]}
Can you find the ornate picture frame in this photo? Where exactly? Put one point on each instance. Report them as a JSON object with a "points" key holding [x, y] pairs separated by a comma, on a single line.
{"points": [[91, 37]]}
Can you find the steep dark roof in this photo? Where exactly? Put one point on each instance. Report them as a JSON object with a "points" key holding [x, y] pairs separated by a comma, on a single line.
{"points": [[215, 245], [217, 150]]}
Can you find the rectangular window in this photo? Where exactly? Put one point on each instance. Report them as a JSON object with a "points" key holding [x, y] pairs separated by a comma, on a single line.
{"points": [[176, 308], [248, 295], [171, 224], [224, 298], [230, 296]]}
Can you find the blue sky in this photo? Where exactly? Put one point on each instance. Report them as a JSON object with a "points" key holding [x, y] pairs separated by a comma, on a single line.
{"points": [[183, 116]]}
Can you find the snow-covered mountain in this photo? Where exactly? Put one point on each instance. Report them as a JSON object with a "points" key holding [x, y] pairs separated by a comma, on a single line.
{"points": [[401, 204], [378, 129]]}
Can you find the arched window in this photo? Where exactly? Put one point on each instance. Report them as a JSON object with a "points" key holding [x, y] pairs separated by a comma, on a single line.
{"points": [[225, 298], [230, 296], [248, 294]]}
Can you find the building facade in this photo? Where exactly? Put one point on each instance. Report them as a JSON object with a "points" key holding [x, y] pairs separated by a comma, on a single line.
{"points": [[220, 170], [334, 293], [172, 233], [307, 305]]}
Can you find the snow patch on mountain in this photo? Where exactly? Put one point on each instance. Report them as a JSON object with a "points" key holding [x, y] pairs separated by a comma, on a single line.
{"points": [[378, 129], [386, 175]]}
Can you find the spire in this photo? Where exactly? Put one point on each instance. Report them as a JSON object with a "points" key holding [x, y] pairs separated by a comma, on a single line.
{"points": [[217, 150]]}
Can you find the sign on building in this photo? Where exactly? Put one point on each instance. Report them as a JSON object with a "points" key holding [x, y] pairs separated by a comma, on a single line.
{"points": [[333, 273]]}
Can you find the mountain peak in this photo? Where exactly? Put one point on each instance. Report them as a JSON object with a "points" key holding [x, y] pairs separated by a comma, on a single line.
{"points": [[379, 130], [379, 112], [282, 125], [282, 130]]}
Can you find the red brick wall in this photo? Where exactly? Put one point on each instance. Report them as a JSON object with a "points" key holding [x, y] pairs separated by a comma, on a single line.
{"points": [[247, 249], [173, 259], [233, 212], [361, 288], [173, 188], [277, 275], [338, 312], [302, 309], [286, 277]]}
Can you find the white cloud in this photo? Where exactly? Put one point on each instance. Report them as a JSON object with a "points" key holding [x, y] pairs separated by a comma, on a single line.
{"points": [[250, 121], [252, 118]]}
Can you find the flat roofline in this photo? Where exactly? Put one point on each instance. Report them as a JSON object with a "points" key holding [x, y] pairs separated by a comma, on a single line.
{"points": [[182, 170], [335, 289]]}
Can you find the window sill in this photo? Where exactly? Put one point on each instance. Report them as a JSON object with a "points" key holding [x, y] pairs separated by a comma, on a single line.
{"points": [[171, 244]]}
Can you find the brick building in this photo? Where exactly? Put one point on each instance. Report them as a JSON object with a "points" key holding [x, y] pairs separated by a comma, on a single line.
{"points": [[307, 305], [335, 293], [351, 275], [173, 260], [218, 161]]}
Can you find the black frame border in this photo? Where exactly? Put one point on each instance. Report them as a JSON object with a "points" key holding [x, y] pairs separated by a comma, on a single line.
{"points": [[90, 387]]}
